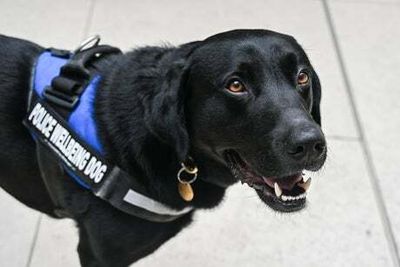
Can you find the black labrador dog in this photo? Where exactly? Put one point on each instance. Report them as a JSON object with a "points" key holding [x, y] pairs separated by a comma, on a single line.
{"points": [[243, 104]]}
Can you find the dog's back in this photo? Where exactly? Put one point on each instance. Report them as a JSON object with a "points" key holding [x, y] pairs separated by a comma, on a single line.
{"points": [[19, 174]]}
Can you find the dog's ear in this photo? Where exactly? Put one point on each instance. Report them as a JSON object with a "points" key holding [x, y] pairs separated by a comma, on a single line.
{"points": [[316, 91], [165, 114]]}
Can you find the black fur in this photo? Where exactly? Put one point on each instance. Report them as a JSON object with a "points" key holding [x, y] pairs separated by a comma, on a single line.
{"points": [[156, 106]]}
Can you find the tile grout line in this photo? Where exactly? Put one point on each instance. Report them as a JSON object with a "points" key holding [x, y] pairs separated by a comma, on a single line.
{"points": [[364, 144], [34, 240], [89, 19]]}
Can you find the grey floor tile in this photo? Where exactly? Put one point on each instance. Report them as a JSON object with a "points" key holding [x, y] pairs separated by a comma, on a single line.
{"points": [[50, 23], [341, 227], [17, 231], [179, 21], [370, 46], [56, 244]]}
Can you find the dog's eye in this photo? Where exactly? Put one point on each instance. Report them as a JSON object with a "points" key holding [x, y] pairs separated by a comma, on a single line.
{"points": [[236, 86], [303, 79]]}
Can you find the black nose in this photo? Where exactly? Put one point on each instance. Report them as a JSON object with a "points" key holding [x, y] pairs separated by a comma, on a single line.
{"points": [[307, 145]]}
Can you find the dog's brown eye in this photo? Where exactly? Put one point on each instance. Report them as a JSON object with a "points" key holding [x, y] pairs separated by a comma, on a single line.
{"points": [[302, 79], [236, 86]]}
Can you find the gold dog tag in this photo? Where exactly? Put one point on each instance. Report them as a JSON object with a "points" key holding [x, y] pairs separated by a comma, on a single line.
{"points": [[186, 191]]}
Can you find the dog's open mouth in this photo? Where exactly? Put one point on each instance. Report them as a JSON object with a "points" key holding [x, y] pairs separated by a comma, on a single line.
{"points": [[282, 193]]}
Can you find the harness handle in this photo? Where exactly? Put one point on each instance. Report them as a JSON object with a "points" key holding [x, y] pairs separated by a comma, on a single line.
{"points": [[66, 88]]}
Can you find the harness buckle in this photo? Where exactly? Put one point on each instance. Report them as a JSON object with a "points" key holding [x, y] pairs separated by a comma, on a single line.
{"points": [[60, 99]]}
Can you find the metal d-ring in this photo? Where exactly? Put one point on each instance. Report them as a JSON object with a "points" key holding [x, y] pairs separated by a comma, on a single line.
{"points": [[183, 181], [94, 40], [193, 170]]}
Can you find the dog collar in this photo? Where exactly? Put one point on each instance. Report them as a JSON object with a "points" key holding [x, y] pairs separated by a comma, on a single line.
{"points": [[61, 121]]}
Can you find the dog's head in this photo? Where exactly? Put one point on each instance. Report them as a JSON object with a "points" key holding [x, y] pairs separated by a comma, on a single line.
{"points": [[245, 105]]}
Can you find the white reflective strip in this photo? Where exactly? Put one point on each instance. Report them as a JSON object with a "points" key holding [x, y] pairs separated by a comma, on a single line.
{"points": [[149, 204]]}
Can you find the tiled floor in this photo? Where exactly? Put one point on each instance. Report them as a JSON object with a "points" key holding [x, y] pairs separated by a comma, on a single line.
{"points": [[353, 218]]}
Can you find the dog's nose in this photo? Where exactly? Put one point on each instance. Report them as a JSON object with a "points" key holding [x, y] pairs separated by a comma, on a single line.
{"points": [[307, 145]]}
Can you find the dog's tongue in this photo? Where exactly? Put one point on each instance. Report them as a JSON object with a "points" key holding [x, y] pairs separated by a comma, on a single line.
{"points": [[287, 182]]}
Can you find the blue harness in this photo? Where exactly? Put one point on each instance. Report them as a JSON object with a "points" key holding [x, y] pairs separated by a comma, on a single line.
{"points": [[81, 119], [61, 120]]}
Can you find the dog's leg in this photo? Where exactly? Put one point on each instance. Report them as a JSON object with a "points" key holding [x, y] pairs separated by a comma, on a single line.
{"points": [[86, 254], [111, 238], [104, 242], [99, 249]]}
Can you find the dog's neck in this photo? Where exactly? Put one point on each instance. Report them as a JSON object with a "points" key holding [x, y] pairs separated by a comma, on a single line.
{"points": [[128, 142]]}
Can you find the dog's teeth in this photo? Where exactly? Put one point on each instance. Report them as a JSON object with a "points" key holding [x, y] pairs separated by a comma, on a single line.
{"points": [[305, 185], [293, 198], [278, 190]]}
